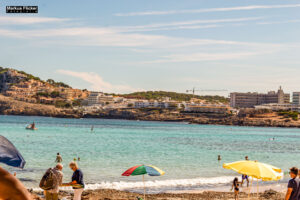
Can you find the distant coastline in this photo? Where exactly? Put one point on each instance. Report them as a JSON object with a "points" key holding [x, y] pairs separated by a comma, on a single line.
{"points": [[9, 106]]}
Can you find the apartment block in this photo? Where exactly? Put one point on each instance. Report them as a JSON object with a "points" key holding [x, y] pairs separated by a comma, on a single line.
{"points": [[296, 98], [249, 100]]}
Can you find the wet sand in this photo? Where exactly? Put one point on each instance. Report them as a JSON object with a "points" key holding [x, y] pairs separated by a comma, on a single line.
{"points": [[107, 194]]}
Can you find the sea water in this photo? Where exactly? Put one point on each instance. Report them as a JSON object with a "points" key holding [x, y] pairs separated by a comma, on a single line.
{"points": [[186, 152]]}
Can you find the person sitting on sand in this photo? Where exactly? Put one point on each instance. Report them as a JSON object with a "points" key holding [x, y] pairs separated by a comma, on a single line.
{"points": [[11, 187], [58, 158], [235, 186], [293, 191], [77, 181]]}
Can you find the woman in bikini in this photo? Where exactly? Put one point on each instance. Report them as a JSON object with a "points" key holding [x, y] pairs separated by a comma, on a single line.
{"points": [[235, 186]]}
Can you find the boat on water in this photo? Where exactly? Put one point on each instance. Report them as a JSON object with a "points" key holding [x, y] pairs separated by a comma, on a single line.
{"points": [[31, 127]]}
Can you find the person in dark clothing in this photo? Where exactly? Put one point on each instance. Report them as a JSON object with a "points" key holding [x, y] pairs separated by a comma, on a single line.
{"points": [[235, 186], [77, 181], [293, 185]]}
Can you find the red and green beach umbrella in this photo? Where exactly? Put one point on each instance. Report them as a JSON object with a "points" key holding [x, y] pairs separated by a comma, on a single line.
{"points": [[142, 170]]}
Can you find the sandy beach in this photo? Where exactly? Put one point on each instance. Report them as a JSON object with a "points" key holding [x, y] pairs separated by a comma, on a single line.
{"points": [[106, 194], [272, 191]]}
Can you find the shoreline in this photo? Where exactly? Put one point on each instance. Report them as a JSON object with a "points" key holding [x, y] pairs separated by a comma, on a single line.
{"points": [[110, 194], [160, 120], [273, 191]]}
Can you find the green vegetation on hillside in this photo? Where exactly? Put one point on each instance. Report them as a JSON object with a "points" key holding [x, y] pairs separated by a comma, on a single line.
{"points": [[2, 70], [174, 96], [30, 76], [57, 84], [289, 114]]}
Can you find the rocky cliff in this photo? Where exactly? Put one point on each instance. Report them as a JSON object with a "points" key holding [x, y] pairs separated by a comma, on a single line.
{"points": [[9, 106]]}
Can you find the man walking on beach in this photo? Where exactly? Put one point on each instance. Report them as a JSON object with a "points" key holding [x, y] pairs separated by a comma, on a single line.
{"points": [[293, 185], [58, 158], [52, 194]]}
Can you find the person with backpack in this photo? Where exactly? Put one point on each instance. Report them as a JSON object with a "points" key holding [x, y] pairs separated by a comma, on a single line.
{"points": [[51, 181]]}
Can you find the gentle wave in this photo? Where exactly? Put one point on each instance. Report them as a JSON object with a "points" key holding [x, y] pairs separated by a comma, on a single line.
{"points": [[123, 185]]}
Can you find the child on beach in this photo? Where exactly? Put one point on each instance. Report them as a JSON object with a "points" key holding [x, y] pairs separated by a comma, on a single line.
{"points": [[235, 186]]}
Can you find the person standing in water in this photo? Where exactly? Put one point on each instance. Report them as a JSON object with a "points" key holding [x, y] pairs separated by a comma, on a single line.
{"points": [[219, 158], [58, 158], [92, 128], [244, 176]]}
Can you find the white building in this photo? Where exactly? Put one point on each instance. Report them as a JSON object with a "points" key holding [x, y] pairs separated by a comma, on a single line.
{"points": [[207, 108], [296, 98], [93, 98], [278, 107], [156, 104]]}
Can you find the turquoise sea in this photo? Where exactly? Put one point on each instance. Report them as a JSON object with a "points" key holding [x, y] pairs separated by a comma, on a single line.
{"points": [[187, 153]]}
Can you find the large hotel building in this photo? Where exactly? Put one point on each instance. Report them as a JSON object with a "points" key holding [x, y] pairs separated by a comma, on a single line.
{"points": [[249, 100]]}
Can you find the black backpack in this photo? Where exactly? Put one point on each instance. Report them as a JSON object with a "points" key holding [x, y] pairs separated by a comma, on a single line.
{"points": [[47, 181]]}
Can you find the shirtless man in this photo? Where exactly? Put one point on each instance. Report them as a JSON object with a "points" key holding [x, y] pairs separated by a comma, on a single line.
{"points": [[11, 187]]}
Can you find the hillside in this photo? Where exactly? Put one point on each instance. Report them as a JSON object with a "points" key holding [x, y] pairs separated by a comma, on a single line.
{"points": [[10, 106], [26, 87], [174, 96]]}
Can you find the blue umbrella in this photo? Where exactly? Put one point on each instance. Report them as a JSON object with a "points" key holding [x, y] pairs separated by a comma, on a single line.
{"points": [[9, 154]]}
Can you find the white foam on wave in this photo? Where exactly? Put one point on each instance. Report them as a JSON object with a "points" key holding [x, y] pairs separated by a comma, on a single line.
{"points": [[122, 185]]}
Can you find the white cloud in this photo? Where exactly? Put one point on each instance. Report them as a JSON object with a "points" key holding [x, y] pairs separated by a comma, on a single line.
{"points": [[97, 83], [190, 24], [87, 36], [196, 57], [280, 22], [13, 20], [239, 8]]}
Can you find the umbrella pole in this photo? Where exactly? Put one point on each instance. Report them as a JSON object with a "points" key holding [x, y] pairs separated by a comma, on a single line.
{"points": [[250, 188], [144, 187], [257, 188]]}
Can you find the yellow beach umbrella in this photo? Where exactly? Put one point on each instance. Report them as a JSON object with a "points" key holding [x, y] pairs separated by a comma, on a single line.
{"points": [[255, 169]]}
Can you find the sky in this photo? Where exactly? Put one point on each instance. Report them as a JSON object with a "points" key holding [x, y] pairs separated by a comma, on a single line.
{"points": [[122, 46]]}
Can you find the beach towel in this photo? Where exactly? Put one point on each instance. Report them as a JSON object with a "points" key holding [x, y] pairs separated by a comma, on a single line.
{"points": [[9, 154]]}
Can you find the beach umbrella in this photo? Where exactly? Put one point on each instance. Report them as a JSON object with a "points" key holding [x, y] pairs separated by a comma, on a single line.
{"points": [[255, 169], [9, 154], [142, 170]]}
